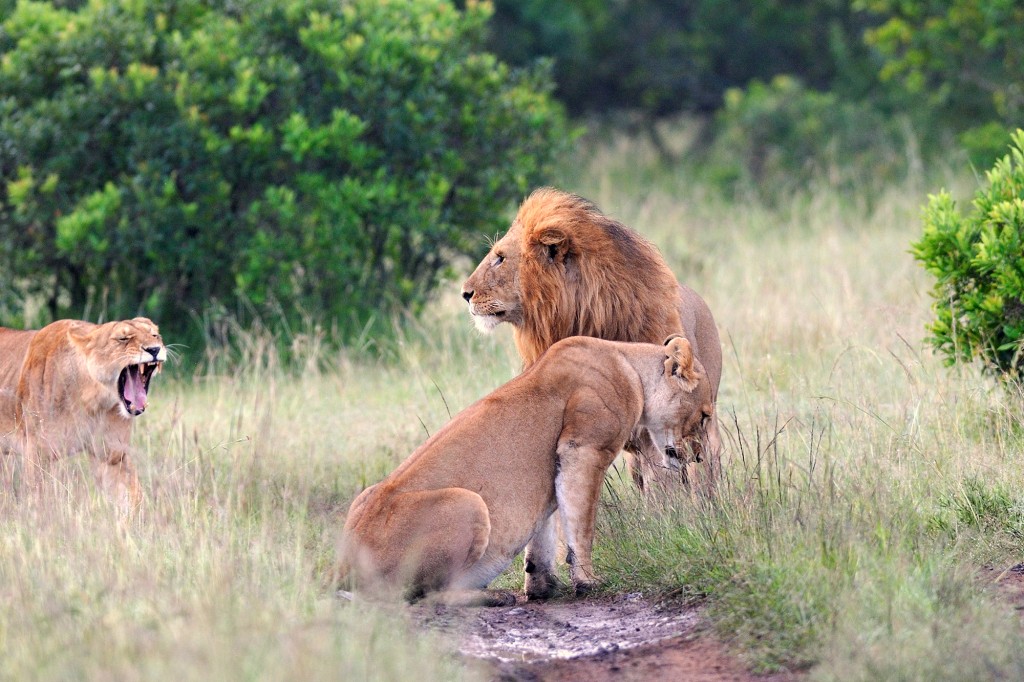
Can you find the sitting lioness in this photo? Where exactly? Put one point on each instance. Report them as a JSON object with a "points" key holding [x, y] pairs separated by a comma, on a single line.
{"points": [[74, 386], [453, 515]]}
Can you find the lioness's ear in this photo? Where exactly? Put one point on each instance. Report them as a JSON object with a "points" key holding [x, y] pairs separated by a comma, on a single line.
{"points": [[679, 361], [554, 241]]}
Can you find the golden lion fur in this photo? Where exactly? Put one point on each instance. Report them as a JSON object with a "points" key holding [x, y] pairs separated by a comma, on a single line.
{"points": [[75, 386], [455, 514], [566, 269]]}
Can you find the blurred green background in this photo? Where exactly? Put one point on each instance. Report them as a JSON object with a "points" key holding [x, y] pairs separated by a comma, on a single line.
{"points": [[285, 164]]}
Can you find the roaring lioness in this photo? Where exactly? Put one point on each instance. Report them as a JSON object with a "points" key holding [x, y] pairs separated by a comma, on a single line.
{"points": [[74, 386], [465, 503]]}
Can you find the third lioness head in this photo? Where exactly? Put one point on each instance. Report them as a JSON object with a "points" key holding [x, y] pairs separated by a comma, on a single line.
{"points": [[679, 405], [123, 357]]}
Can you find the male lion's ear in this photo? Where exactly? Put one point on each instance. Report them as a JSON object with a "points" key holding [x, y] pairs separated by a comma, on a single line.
{"points": [[668, 339], [554, 241], [679, 361]]}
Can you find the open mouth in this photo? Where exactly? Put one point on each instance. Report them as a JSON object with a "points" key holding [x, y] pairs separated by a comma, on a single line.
{"points": [[133, 386]]}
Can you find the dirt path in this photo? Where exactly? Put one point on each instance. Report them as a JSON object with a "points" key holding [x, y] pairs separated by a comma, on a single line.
{"points": [[627, 637], [1009, 583]]}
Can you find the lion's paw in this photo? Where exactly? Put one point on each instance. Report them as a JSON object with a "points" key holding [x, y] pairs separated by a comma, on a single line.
{"points": [[584, 587], [540, 586]]}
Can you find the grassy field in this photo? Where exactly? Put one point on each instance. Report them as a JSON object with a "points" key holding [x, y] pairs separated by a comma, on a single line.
{"points": [[866, 484]]}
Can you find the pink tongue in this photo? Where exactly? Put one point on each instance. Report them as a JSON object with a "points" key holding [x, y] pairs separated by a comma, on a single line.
{"points": [[134, 391]]}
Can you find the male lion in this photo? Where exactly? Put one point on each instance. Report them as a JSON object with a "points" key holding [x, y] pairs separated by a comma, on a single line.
{"points": [[566, 269], [465, 503], [74, 386]]}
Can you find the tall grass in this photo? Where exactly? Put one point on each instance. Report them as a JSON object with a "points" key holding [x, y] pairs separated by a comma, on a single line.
{"points": [[865, 483]]}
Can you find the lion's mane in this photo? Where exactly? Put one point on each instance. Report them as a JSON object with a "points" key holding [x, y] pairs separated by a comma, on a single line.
{"points": [[585, 274]]}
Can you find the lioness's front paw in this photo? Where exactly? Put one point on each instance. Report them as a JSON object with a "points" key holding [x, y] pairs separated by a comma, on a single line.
{"points": [[584, 587], [540, 585]]}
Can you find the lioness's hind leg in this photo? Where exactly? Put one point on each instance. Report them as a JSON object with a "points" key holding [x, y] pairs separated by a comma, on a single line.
{"points": [[425, 540], [473, 598]]}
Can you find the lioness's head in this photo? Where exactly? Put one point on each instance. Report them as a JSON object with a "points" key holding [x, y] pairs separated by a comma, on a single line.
{"points": [[679, 404], [123, 357]]}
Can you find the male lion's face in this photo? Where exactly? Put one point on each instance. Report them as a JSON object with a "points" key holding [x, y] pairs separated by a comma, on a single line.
{"points": [[124, 356], [680, 406], [492, 291]]}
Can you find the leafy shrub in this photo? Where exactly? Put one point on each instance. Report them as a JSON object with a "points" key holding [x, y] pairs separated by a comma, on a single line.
{"points": [[310, 158], [661, 57], [978, 260], [960, 58], [782, 134]]}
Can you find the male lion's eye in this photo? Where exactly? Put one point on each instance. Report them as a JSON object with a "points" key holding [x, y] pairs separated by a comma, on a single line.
{"points": [[498, 259]]}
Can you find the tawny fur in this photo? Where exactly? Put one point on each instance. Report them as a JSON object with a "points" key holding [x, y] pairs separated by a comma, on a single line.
{"points": [[565, 269], [454, 515], [60, 394], [603, 280]]}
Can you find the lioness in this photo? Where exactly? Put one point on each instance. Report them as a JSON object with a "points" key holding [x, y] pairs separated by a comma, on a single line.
{"points": [[465, 503], [74, 386], [565, 269]]}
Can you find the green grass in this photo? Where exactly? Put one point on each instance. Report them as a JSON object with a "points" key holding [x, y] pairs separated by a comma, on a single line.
{"points": [[866, 483]]}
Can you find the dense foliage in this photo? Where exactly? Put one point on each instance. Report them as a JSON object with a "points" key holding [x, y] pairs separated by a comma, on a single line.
{"points": [[978, 259], [782, 135], [661, 57], [962, 59], [311, 157]]}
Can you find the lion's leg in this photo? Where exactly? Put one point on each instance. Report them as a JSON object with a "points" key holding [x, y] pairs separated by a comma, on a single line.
{"points": [[709, 470], [35, 459], [541, 576], [634, 464], [116, 476], [578, 489], [426, 541]]}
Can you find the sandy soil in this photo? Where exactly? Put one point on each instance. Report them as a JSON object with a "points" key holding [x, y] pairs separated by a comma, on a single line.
{"points": [[627, 637]]}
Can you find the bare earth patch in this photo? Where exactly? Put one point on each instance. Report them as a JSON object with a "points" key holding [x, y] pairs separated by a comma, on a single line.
{"points": [[1010, 584], [625, 637]]}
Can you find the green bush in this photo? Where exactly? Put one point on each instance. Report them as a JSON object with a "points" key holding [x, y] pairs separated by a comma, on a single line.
{"points": [[289, 158], [978, 259], [660, 57], [960, 60], [783, 135]]}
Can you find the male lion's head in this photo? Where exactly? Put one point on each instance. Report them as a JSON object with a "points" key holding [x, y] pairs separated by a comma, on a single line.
{"points": [[565, 269], [679, 406], [122, 357]]}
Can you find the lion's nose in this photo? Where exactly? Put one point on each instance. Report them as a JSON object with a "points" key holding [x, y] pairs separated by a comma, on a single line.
{"points": [[467, 295], [153, 350]]}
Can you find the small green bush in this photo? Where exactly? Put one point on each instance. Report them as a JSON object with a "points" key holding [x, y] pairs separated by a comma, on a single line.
{"points": [[978, 259]]}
